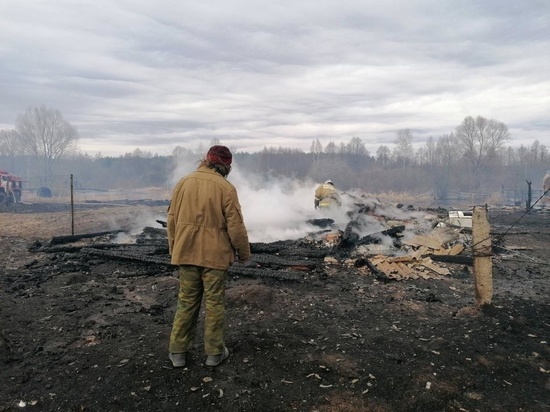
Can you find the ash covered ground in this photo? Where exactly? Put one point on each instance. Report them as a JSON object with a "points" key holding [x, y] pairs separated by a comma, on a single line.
{"points": [[84, 325]]}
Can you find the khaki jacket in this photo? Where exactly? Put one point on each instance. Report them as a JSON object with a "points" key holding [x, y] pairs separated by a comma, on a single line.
{"points": [[205, 224]]}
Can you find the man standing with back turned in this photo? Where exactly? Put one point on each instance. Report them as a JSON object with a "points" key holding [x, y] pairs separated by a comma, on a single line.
{"points": [[205, 232]]}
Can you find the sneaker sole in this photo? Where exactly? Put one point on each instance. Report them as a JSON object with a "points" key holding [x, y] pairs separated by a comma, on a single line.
{"points": [[225, 355]]}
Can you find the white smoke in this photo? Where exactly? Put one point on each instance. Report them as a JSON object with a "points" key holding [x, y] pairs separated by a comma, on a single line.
{"points": [[275, 209], [279, 208]]}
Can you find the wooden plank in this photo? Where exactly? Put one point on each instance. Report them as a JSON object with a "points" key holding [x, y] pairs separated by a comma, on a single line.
{"points": [[456, 249], [423, 240], [386, 267], [375, 260], [424, 275], [428, 263], [396, 259], [404, 270], [417, 254], [458, 259]]}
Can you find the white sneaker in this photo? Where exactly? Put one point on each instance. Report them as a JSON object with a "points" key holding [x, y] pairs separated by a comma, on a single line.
{"points": [[178, 359], [215, 360]]}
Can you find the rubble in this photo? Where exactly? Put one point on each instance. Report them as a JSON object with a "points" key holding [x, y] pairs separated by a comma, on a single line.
{"points": [[408, 248]]}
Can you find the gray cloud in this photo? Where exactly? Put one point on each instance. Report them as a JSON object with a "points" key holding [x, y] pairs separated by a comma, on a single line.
{"points": [[156, 75]]}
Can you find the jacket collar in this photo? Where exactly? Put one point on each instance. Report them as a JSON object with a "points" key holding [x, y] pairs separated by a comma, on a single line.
{"points": [[205, 169]]}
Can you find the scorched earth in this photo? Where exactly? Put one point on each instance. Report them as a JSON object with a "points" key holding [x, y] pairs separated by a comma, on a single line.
{"points": [[84, 325]]}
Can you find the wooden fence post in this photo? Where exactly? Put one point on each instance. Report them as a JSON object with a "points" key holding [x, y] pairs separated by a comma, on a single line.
{"points": [[482, 252], [529, 199]]}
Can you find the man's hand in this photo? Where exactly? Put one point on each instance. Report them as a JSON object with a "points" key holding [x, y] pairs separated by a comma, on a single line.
{"points": [[247, 263], [250, 264]]}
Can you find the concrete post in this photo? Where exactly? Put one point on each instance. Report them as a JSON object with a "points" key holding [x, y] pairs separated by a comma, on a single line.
{"points": [[482, 252]]}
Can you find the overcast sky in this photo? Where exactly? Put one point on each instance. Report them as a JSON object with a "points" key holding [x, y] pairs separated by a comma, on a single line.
{"points": [[156, 74]]}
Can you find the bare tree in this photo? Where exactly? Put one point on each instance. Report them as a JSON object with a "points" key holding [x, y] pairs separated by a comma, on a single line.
{"points": [[46, 135], [316, 151], [331, 148], [430, 151], [10, 143], [442, 165], [139, 153], [356, 154], [479, 140], [403, 152], [356, 146], [316, 147], [383, 155]]}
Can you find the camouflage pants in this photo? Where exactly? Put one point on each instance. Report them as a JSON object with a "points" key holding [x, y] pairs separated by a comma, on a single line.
{"points": [[194, 282]]}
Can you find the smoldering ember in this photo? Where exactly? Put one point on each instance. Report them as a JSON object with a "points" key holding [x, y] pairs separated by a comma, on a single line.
{"points": [[383, 308]]}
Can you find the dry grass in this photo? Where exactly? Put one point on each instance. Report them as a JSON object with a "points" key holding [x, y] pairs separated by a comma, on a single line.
{"points": [[405, 198], [79, 196], [46, 225]]}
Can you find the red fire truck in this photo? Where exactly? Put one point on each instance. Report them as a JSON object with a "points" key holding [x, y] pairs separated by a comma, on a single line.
{"points": [[11, 187]]}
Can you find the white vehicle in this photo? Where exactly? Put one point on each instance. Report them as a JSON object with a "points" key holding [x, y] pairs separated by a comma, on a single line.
{"points": [[460, 218]]}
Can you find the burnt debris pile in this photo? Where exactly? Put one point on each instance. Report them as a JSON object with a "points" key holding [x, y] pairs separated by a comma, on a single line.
{"points": [[384, 241]]}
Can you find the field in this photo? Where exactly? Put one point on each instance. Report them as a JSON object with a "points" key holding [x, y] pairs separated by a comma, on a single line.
{"points": [[84, 332]]}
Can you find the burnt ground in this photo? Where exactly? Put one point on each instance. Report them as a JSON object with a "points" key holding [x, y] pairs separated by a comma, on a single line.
{"points": [[82, 330]]}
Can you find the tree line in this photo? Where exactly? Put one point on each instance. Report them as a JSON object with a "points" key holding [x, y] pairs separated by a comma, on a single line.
{"points": [[474, 157]]}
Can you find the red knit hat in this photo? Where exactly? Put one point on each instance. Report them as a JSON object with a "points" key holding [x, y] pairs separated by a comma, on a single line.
{"points": [[220, 155]]}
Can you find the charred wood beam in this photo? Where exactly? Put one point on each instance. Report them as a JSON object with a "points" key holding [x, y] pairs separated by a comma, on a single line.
{"points": [[95, 246], [238, 270], [350, 238], [280, 261], [154, 232], [322, 223], [128, 255], [235, 270], [463, 260], [138, 249], [273, 247], [57, 240], [117, 248], [375, 238], [381, 276], [304, 252], [149, 241], [59, 249], [289, 249]]}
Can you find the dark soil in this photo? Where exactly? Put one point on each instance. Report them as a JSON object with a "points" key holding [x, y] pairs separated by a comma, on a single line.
{"points": [[83, 332]]}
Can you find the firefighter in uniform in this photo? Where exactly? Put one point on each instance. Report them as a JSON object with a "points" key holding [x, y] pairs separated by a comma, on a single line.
{"points": [[326, 196]]}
